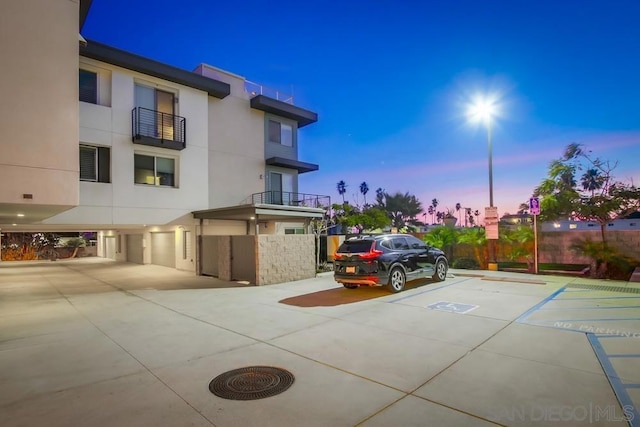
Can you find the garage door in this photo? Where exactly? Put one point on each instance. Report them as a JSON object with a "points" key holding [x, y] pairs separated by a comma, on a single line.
{"points": [[134, 248], [110, 247], [163, 249]]}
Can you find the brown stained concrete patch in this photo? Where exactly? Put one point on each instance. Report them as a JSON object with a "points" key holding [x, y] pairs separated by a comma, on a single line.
{"points": [[341, 295], [514, 280]]}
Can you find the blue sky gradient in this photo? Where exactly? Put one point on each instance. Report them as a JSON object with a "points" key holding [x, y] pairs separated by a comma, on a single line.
{"points": [[391, 83]]}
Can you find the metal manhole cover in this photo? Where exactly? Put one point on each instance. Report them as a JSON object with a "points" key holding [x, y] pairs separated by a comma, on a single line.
{"points": [[604, 288], [251, 383]]}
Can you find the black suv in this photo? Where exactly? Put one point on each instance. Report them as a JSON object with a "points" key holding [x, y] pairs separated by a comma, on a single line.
{"points": [[387, 259]]}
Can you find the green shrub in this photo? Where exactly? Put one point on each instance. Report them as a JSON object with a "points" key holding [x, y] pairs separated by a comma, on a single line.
{"points": [[465, 263]]}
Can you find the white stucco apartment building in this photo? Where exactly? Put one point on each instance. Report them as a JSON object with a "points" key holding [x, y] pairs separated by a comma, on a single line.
{"points": [[153, 158]]}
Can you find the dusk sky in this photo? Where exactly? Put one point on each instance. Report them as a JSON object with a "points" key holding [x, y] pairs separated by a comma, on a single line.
{"points": [[391, 83]]}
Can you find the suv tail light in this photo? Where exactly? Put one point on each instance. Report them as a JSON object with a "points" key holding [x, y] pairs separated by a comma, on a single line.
{"points": [[372, 254]]}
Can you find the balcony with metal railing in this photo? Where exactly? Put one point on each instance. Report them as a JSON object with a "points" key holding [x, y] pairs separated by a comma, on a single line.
{"points": [[158, 129], [288, 198]]}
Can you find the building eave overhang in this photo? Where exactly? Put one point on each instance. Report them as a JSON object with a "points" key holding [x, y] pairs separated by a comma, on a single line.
{"points": [[301, 167], [133, 62], [85, 5], [264, 212], [283, 109]]}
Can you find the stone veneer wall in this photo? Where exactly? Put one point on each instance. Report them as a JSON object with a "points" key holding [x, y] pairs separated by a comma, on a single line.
{"points": [[285, 257]]}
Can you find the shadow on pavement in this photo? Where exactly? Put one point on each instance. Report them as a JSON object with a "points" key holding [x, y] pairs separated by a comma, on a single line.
{"points": [[341, 295]]}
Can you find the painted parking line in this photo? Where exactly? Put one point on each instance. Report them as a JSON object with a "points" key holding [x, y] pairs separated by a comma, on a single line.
{"points": [[592, 319], [526, 314], [620, 388]]}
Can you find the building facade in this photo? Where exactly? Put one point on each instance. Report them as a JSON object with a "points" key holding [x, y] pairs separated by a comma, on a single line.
{"points": [[151, 157]]}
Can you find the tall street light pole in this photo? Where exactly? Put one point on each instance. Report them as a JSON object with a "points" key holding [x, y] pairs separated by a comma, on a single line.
{"points": [[484, 110], [490, 161]]}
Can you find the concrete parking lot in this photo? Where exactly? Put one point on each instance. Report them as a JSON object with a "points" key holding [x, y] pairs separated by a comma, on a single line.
{"points": [[98, 343]]}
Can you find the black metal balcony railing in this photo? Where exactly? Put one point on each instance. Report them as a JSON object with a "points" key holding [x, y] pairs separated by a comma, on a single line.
{"points": [[288, 198], [158, 129]]}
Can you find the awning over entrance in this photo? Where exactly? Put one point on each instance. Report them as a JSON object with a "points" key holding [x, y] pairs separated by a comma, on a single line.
{"points": [[262, 212]]}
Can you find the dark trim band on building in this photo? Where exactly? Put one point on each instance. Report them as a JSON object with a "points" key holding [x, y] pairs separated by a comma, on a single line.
{"points": [[282, 109], [130, 61], [301, 167]]}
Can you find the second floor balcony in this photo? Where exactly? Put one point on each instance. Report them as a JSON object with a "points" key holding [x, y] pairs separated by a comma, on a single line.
{"points": [[288, 198], [158, 129]]}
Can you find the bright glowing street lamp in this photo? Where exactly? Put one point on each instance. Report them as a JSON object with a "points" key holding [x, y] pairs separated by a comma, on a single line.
{"points": [[484, 110]]}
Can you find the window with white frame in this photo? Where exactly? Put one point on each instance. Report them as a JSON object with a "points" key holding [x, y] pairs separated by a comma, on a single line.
{"points": [[95, 163], [280, 133], [154, 170]]}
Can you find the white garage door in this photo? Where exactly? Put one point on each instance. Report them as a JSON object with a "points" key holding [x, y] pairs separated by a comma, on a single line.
{"points": [[110, 247], [163, 249]]}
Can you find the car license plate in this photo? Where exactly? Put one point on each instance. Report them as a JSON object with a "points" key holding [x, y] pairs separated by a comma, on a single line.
{"points": [[351, 269]]}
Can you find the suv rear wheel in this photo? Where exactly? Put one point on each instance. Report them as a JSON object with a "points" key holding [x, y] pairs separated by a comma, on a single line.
{"points": [[349, 286], [397, 279]]}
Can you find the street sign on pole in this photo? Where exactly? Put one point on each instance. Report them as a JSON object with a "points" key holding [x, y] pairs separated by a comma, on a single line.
{"points": [[534, 209], [534, 206], [491, 222]]}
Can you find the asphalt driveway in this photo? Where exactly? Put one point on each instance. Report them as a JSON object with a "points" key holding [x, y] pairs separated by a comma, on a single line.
{"points": [[100, 343]]}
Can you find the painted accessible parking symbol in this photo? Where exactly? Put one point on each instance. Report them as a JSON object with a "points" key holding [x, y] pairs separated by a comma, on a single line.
{"points": [[453, 307]]}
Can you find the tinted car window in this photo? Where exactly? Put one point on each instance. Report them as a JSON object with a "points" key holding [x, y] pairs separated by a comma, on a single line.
{"points": [[416, 243], [400, 243], [386, 244], [355, 246]]}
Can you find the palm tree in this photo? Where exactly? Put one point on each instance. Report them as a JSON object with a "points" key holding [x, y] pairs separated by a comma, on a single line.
{"points": [[592, 180], [458, 207], [431, 212], [434, 203], [364, 189], [380, 196], [402, 208], [477, 239], [342, 188]]}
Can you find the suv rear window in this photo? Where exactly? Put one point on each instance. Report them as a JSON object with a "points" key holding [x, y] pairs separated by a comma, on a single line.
{"points": [[355, 246]]}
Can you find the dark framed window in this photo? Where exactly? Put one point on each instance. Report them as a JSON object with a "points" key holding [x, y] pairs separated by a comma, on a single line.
{"points": [[154, 170], [88, 86], [95, 164], [294, 231], [280, 133]]}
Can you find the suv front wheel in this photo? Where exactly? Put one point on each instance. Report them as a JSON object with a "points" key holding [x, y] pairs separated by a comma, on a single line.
{"points": [[441, 271], [397, 279]]}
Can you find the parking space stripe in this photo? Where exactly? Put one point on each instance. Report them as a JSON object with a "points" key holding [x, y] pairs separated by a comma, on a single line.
{"points": [[591, 307], [585, 298], [626, 319], [619, 388], [536, 307]]}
